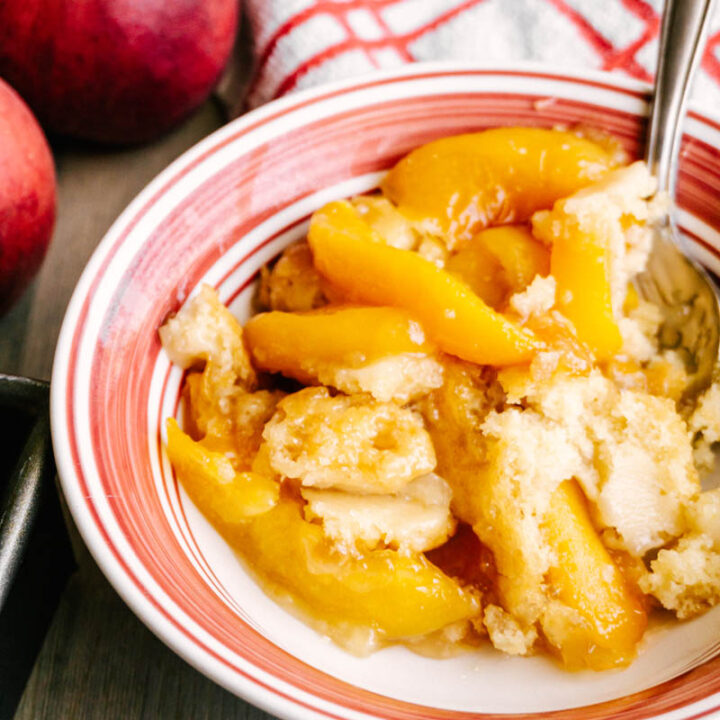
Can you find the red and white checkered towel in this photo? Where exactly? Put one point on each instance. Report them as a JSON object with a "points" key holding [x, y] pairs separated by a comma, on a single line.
{"points": [[300, 43]]}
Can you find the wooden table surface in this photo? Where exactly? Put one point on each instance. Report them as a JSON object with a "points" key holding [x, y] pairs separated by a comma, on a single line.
{"points": [[99, 661]]}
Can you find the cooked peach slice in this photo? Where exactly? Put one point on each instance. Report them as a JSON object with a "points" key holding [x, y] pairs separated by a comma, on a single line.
{"points": [[230, 421], [223, 495], [500, 261], [580, 264], [396, 595], [301, 345], [455, 318], [587, 580], [465, 183], [560, 337], [592, 234], [521, 256], [483, 273], [202, 399]]}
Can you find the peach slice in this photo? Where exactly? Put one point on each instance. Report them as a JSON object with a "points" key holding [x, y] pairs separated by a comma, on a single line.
{"points": [[397, 595], [521, 256], [500, 261], [580, 264], [300, 345], [223, 495], [590, 233], [587, 580], [465, 183], [559, 335], [353, 258], [481, 270]]}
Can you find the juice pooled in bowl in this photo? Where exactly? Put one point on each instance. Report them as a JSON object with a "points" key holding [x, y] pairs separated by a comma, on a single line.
{"points": [[453, 422]]}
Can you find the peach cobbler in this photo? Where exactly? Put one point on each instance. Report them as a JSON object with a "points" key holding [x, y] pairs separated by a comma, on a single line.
{"points": [[452, 421]]}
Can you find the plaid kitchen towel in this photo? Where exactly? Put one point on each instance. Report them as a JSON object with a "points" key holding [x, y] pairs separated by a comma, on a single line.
{"points": [[300, 43]]}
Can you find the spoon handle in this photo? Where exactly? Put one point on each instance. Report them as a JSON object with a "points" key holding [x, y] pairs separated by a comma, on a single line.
{"points": [[681, 43]]}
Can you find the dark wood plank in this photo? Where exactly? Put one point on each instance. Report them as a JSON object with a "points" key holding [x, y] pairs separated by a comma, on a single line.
{"points": [[99, 663]]}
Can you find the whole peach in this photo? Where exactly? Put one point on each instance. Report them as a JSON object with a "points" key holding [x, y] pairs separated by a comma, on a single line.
{"points": [[114, 71], [27, 196]]}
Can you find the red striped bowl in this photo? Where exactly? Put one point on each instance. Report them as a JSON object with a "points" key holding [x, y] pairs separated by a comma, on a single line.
{"points": [[216, 215]]}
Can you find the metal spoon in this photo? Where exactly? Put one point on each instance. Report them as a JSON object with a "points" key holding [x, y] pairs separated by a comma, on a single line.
{"points": [[673, 280]]}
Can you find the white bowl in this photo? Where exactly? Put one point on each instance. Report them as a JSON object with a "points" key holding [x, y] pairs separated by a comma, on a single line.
{"points": [[216, 215]]}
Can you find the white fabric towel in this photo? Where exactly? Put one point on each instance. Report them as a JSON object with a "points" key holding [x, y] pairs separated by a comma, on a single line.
{"points": [[301, 43]]}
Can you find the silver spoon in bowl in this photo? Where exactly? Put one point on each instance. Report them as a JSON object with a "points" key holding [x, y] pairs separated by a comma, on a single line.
{"points": [[672, 280]]}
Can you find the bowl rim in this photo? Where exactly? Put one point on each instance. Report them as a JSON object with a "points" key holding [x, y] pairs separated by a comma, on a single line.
{"points": [[259, 694]]}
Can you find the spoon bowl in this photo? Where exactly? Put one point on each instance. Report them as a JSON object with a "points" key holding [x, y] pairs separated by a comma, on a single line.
{"points": [[689, 301], [672, 280]]}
